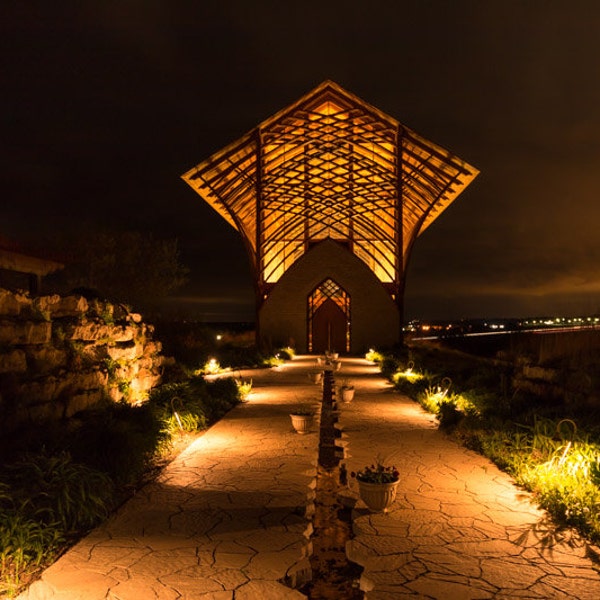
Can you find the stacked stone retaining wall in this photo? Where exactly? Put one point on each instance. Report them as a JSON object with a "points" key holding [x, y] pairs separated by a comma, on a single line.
{"points": [[571, 385], [561, 366], [63, 354]]}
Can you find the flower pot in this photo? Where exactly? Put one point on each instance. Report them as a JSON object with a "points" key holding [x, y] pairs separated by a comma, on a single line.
{"points": [[315, 376], [377, 496], [347, 393], [302, 423]]}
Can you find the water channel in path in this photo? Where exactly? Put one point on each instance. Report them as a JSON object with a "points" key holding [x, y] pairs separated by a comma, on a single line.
{"points": [[334, 577]]}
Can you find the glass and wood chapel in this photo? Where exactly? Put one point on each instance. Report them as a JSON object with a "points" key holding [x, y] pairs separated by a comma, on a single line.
{"points": [[329, 196]]}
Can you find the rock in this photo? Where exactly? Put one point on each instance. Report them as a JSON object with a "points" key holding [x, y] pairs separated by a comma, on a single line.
{"points": [[52, 369], [87, 380], [83, 401], [40, 391], [42, 412], [152, 347], [24, 333], [58, 306], [13, 361], [45, 304], [9, 305], [93, 331], [129, 352], [45, 359], [145, 381]]}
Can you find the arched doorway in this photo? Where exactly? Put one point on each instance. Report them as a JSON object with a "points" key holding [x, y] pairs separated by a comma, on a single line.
{"points": [[329, 318]]}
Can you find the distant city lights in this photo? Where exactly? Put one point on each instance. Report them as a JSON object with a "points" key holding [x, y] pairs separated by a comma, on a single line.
{"points": [[495, 326]]}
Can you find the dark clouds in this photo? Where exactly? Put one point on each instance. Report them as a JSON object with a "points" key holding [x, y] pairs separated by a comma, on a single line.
{"points": [[105, 104]]}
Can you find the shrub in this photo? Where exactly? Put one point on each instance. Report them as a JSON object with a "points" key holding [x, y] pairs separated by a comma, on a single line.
{"points": [[430, 400], [286, 353], [24, 544], [272, 361], [374, 356], [210, 367], [224, 395], [48, 497], [389, 365], [411, 383], [118, 440], [56, 490], [448, 414], [533, 438], [244, 388], [44, 499], [197, 402]]}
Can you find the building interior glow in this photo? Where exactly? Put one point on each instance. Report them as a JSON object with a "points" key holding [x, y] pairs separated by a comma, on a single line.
{"points": [[330, 166]]}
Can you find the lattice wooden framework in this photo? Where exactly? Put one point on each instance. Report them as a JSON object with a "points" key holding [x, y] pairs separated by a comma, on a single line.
{"points": [[330, 166]]}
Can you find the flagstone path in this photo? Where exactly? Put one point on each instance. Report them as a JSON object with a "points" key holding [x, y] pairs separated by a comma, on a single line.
{"points": [[459, 529], [229, 519]]}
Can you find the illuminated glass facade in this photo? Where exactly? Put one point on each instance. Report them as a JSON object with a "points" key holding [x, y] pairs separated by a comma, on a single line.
{"points": [[330, 166]]}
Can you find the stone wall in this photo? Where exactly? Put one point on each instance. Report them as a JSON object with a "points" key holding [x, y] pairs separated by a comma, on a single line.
{"points": [[375, 320], [558, 365], [569, 384], [60, 355]]}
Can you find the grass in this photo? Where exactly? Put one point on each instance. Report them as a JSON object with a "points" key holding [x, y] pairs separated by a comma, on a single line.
{"points": [[25, 544], [44, 502], [562, 471], [60, 480], [244, 388], [550, 447]]}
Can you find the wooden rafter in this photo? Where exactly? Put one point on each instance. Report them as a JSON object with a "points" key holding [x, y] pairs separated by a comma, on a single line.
{"points": [[330, 166]]}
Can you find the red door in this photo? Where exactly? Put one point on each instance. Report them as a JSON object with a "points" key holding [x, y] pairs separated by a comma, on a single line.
{"points": [[329, 328]]}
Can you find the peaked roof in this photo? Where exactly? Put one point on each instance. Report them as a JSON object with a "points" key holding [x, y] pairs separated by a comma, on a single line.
{"points": [[334, 165]]}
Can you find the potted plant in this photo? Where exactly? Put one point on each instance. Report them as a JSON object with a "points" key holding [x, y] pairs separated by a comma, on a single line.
{"points": [[315, 376], [346, 391], [377, 485], [302, 420]]}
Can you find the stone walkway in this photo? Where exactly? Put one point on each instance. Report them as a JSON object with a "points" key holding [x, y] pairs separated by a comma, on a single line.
{"points": [[459, 528], [229, 519], [231, 513]]}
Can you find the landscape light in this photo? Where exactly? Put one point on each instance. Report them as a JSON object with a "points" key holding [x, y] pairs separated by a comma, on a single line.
{"points": [[211, 367], [408, 374]]}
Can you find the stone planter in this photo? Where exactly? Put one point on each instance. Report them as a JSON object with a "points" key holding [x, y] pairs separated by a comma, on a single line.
{"points": [[377, 496], [315, 376], [302, 423], [332, 365], [347, 393]]}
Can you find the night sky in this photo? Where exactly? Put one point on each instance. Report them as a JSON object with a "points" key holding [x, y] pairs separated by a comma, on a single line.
{"points": [[105, 104]]}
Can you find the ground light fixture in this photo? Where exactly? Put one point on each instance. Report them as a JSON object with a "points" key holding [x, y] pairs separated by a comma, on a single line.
{"points": [[409, 374], [438, 393], [211, 367]]}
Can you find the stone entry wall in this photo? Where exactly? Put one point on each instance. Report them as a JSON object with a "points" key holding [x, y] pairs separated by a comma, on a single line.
{"points": [[63, 354]]}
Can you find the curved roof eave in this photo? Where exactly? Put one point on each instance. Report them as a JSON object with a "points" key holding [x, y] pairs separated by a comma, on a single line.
{"points": [[228, 180]]}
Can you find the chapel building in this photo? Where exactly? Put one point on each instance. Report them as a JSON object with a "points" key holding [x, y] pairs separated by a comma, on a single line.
{"points": [[329, 196]]}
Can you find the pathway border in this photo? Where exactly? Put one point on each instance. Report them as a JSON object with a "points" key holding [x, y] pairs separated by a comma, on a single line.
{"points": [[460, 528]]}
